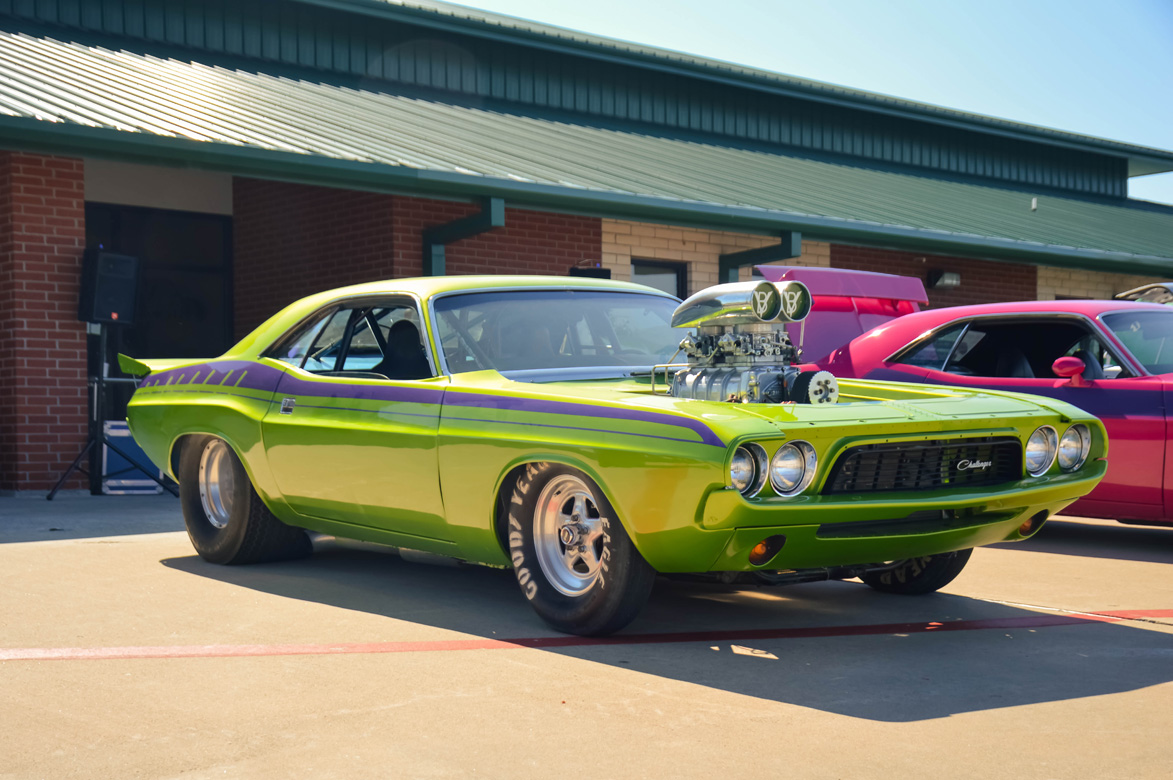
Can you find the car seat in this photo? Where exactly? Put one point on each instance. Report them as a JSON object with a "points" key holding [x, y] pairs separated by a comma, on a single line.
{"points": [[405, 354], [1012, 363], [1091, 365]]}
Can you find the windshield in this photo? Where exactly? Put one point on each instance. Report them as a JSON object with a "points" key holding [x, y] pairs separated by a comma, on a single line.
{"points": [[554, 329], [1148, 335]]}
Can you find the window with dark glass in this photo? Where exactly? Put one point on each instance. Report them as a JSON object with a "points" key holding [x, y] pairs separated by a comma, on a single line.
{"points": [[1014, 348], [669, 277]]}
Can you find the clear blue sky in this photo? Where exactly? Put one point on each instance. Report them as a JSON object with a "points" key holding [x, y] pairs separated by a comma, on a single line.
{"points": [[1098, 67]]}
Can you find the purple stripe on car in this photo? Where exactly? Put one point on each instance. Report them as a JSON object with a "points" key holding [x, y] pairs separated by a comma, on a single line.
{"points": [[291, 385], [257, 376], [252, 376], [517, 404]]}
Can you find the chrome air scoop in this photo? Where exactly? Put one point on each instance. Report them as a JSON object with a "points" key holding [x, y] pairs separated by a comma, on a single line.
{"points": [[740, 351]]}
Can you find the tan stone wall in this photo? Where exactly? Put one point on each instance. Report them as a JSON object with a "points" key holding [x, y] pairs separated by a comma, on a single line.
{"points": [[1075, 283], [699, 249]]}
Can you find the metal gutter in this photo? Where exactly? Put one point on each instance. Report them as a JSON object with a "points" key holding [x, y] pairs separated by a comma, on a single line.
{"points": [[729, 265], [491, 215], [78, 140]]}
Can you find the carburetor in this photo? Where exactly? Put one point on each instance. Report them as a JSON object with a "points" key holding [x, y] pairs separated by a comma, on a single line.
{"points": [[740, 351]]}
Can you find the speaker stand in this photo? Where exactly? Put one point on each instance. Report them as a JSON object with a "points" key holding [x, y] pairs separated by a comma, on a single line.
{"points": [[97, 435]]}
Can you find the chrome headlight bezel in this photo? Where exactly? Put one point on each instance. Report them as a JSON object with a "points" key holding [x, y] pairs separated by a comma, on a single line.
{"points": [[807, 458], [1083, 435], [1050, 442], [758, 461]]}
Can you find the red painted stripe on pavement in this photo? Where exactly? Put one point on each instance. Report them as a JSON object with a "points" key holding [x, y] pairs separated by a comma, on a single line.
{"points": [[240, 651]]}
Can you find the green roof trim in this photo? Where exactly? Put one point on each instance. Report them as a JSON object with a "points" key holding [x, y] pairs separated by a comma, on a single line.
{"points": [[65, 98], [1143, 160]]}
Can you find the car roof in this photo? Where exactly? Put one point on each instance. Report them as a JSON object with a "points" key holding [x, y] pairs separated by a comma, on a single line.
{"points": [[1085, 307], [895, 334], [423, 288], [429, 286]]}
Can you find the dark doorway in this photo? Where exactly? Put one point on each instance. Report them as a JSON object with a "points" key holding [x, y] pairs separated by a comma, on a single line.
{"points": [[184, 293]]}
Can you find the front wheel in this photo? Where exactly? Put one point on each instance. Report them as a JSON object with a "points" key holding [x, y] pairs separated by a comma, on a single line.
{"points": [[226, 520], [572, 557], [914, 576]]}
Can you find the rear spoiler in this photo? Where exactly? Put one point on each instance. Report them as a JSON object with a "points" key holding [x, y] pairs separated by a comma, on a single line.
{"points": [[845, 304], [1161, 292], [141, 368]]}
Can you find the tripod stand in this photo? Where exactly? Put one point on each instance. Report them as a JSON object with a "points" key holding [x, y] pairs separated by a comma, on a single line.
{"points": [[97, 436]]}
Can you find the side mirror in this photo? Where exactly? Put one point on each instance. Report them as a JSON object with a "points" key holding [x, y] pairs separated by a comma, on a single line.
{"points": [[1072, 368]]}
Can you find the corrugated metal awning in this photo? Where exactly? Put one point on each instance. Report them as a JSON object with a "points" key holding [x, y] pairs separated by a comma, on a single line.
{"points": [[70, 98]]}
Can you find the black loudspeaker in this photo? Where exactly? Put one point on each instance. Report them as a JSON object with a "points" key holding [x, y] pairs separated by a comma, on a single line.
{"points": [[593, 273], [109, 286]]}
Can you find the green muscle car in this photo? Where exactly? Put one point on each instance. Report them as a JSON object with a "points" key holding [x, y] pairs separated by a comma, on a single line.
{"points": [[542, 424]]}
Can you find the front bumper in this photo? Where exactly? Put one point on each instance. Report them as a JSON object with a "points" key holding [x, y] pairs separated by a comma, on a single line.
{"points": [[825, 531]]}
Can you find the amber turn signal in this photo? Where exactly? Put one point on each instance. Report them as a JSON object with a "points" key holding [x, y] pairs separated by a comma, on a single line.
{"points": [[766, 549], [1032, 524]]}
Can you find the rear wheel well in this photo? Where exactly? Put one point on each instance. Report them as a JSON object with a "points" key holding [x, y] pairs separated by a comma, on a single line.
{"points": [[177, 452]]}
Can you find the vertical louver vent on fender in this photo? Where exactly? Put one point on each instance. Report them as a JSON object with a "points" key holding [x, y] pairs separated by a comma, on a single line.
{"points": [[927, 465]]}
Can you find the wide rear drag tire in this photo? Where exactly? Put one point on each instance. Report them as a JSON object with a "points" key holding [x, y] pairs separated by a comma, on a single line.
{"points": [[573, 559], [226, 520], [914, 576]]}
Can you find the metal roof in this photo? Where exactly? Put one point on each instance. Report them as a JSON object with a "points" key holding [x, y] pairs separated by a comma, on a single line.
{"points": [[69, 98], [1143, 160]]}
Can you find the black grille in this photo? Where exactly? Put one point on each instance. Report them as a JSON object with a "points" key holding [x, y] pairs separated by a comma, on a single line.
{"points": [[926, 465]]}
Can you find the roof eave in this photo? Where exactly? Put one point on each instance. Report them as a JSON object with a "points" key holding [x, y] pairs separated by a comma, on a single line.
{"points": [[39, 136], [1142, 159]]}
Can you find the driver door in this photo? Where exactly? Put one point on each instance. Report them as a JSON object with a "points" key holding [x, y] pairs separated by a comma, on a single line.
{"points": [[1016, 354], [344, 441]]}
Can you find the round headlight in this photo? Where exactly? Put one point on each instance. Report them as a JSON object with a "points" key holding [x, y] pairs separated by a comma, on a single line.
{"points": [[747, 470], [793, 468], [1040, 450], [1074, 447]]}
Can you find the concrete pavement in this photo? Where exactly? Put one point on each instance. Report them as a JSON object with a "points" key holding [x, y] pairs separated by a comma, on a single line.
{"points": [[354, 663]]}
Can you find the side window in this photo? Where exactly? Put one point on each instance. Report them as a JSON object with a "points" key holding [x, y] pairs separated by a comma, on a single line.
{"points": [[294, 350], [934, 352], [368, 342], [365, 351], [1022, 348], [326, 348], [962, 360]]}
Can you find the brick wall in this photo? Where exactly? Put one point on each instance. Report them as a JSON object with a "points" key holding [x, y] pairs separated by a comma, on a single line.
{"points": [[982, 281], [531, 242], [43, 400], [698, 249], [1076, 283], [292, 240]]}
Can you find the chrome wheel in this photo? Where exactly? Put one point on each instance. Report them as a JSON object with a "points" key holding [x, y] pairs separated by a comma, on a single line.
{"points": [[568, 535], [217, 482]]}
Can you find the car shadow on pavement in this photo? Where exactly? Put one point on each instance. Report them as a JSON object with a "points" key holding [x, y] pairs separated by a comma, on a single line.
{"points": [[1098, 539], [892, 675]]}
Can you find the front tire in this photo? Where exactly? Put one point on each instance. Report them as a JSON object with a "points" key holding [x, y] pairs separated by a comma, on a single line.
{"points": [[226, 520], [573, 559], [915, 576]]}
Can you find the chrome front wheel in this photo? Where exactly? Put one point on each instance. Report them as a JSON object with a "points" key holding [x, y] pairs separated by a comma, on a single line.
{"points": [[572, 557], [568, 535]]}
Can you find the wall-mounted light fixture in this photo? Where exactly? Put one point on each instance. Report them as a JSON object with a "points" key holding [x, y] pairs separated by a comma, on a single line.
{"points": [[942, 280]]}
